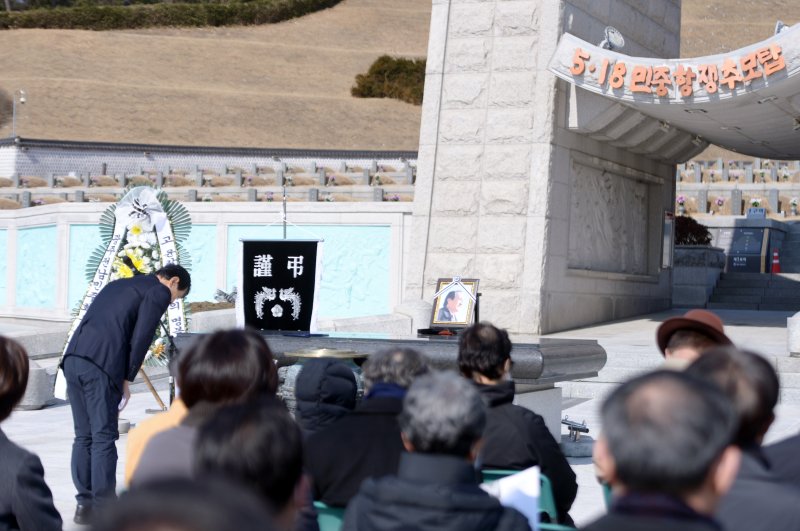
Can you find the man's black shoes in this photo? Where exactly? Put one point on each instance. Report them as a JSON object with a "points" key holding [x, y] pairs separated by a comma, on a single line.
{"points": [[83, 515]]}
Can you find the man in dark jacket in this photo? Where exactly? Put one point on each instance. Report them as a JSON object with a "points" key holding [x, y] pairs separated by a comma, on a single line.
{"points": [[436, 486], [104, 354], [666, 450], [325, 390], [751, 385], [25, 499], [516, 438], [366, 442]]}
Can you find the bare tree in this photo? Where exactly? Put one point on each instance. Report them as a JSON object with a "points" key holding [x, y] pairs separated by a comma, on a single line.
{"points": [[8, 5]]}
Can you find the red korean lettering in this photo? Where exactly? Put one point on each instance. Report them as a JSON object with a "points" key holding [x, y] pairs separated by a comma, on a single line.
{"points": [[640, 79], [771, 59], [684, 77], [661, 79], [749, 64], [730, 74], [708, 76]]}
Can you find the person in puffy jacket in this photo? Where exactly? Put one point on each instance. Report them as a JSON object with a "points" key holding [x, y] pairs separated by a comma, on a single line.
{"points": [[325, 390]]}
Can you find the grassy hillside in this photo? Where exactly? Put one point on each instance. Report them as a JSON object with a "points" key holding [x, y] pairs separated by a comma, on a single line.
{"points": [[281, 85], [718, 26]]}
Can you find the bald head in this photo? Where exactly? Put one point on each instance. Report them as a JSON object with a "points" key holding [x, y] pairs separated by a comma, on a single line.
{"points": [[665, 430]]}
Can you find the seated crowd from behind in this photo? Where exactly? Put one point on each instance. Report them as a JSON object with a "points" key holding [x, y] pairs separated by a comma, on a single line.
{"points": [[680, 449], [435, 487], [751, 385], [365, 443], [667, 451], [225, 367]]}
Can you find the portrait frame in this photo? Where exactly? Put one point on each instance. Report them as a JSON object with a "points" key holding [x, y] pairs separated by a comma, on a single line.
{"points": [[464, 314]]}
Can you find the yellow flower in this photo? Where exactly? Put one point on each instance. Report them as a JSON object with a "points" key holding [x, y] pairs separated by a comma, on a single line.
{"points": [[135, 229], [124, 271], [138, 263]]}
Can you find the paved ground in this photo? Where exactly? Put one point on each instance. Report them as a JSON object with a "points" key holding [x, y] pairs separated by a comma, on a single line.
{"points": [[48, 432]]}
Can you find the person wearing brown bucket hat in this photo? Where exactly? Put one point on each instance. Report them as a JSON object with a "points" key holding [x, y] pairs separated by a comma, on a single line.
{"points": [[686, 337]]}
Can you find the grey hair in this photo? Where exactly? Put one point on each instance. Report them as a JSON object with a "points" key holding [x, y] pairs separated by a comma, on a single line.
{"points": [[399, 366], [443, 413]]}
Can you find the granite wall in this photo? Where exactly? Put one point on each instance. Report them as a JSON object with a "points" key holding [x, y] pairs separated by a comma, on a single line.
{"points": [[563, 230]]}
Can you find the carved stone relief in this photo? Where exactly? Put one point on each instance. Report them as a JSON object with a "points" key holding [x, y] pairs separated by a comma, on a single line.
{"points": [[607, 231]]}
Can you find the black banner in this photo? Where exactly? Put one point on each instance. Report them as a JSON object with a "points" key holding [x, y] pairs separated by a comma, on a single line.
{"points": [[278, 283]]}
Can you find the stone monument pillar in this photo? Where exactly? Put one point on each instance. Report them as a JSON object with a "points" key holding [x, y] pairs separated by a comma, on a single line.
{"points": [[561, 228]]}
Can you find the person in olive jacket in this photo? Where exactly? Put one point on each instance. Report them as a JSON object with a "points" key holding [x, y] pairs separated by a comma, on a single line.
{"points": [[516, 438]]}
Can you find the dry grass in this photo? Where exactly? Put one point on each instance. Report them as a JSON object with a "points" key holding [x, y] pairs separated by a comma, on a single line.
{"points": [[179, 180], [278, 85], [32, 181], [338, 179], [9, 204], [219, 180], [282, 85], [710, 27], [258, 180]]}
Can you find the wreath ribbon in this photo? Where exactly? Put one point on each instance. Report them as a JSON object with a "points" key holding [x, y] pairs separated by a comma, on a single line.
{"points": [[139, 206]]}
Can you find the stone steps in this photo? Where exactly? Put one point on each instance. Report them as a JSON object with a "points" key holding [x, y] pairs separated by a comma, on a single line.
{"points": [[756, 291], [621, 367]]}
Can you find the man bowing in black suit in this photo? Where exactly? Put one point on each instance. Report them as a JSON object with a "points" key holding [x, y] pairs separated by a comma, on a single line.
{"points": [[105, 353]]}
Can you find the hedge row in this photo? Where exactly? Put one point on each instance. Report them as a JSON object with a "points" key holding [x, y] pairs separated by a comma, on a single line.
{"points": [[174, 15], [392, 77]]}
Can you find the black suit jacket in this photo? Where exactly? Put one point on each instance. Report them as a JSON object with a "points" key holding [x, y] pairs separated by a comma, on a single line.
{"points": [[119, 326], [363, 444], [517, 438], [25, 500]]}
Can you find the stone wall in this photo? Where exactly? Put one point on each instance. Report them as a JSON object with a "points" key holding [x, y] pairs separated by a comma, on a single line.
{"points": [[561, 229], [46, 249]]}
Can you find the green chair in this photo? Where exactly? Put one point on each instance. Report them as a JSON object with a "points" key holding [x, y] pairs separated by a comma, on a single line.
{"points": [[547, 502], [607, 494], [329, 518]]}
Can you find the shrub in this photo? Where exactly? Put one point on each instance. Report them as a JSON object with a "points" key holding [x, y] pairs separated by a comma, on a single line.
{"points": [[689, 232], [392, 77], [115, 17]]}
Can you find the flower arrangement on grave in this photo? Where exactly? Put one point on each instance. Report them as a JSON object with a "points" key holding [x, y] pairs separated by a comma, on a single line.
{"points": [[720, 201], [794, 202], [270, 197], [681, 200], [394, 197], [140, 234], [755, 202]]}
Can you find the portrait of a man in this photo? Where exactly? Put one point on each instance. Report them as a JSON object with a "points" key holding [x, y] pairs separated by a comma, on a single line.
{"points": [[454, 306], [452, 303]]}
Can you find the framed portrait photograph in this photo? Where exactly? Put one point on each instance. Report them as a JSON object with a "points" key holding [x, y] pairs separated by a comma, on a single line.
{"points": [[454, 307]]}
